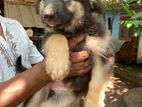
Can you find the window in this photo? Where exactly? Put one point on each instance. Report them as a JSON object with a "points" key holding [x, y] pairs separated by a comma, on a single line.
{"points": [[124, 32]]}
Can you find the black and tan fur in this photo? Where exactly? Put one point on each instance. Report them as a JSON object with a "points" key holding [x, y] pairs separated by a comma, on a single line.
{"points": [[68, 18]]}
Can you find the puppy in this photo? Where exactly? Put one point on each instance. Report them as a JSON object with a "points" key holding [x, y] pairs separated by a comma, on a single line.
{"points": [[68, 18]]}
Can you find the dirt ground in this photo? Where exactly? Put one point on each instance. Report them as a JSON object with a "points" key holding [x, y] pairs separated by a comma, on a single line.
{"points": [[117, 86]]}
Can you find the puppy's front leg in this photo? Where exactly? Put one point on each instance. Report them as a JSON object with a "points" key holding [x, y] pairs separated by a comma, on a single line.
{"points": [[103, 53], [57, 56], [101, 74]]}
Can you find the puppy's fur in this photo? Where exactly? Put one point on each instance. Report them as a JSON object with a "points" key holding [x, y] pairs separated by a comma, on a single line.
{"points": [[68, 18]]}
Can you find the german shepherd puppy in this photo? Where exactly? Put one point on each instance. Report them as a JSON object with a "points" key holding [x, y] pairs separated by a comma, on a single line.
{"points": [[68, 18]]}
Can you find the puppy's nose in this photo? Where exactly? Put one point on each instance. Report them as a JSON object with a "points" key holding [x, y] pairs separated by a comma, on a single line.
{"points": [[49, 16]]}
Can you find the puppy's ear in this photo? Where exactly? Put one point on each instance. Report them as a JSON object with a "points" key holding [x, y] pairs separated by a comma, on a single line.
{"points": [[37, 3], [96, 6]]}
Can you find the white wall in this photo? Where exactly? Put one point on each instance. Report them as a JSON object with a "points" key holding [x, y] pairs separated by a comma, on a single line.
{"points": [[139, 56]]}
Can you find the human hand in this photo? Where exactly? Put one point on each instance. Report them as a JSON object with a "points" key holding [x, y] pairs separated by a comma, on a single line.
{"points": [[79, 60]]}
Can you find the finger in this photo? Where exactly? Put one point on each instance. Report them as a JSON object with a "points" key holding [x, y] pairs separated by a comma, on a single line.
{"points": [[80, 72], [73, 42], [78, 66], [77, 57]]}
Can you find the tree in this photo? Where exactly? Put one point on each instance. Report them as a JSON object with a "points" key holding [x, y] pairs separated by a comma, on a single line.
{"points": [[135, 17], [111, 4]]}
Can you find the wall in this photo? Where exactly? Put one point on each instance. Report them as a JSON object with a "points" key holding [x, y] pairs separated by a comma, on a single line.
{"points": [[115, 32], [115, 16], [139, 56], [25, 14]]}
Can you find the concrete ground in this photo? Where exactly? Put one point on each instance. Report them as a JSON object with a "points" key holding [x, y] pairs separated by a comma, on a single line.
{"points": [[122, 83]]}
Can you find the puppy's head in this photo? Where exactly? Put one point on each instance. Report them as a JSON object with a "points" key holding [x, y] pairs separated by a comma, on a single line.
{"points": [[67, 14]]}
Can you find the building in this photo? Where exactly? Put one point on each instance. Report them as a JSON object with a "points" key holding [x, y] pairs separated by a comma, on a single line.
{"points": [[121, 34]]}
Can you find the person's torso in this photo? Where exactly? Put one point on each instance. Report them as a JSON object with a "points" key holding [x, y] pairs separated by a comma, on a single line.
{"points": [[12, 45]]}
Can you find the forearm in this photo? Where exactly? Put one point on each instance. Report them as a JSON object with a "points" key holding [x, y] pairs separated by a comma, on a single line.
{"points": [[16, 90]]}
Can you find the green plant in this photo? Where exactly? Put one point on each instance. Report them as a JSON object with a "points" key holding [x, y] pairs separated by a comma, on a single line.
{"points": [[111, 4], [135, 17]]}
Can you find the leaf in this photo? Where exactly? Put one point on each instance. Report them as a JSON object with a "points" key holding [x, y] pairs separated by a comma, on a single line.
{"points": [[130, 1], [129, 25], [122, 22], [138, 31], [138, 15], [136, 23], [127, 9], [136, 34], [139, 1]]}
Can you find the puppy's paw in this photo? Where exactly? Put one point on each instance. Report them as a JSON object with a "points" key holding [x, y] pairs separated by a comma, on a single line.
{"points": [[57, 57], [94, 103], [58, 67]]}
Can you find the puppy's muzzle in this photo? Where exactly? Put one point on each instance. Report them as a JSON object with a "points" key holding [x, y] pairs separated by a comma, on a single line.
{"points": [[49, 17]]}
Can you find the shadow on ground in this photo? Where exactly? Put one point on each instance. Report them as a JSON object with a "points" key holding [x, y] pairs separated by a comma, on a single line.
{"points": [[126, 77]]}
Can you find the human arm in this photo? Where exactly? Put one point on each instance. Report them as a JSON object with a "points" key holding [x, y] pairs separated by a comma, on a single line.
{"points": [[17, 89]]}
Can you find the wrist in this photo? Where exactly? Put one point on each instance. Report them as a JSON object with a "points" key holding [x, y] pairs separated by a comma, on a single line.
{"points": [[40, 73]]}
